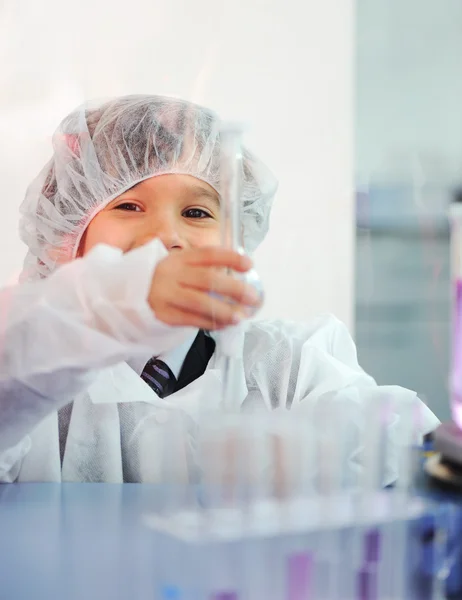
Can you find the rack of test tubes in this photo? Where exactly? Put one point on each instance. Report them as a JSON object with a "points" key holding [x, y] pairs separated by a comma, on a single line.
{"points": [[279, 515]]}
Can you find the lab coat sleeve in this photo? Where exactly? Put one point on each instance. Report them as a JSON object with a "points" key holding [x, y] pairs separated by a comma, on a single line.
{"points": [[58, 332], [329, 370]]}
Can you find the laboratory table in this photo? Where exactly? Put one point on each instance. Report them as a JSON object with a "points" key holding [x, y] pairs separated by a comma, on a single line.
{"points": [[77, 541]]}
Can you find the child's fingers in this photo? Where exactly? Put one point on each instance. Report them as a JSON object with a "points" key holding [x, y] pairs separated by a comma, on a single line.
{"points": [[202, 305], [208, 280], [220, 257]]}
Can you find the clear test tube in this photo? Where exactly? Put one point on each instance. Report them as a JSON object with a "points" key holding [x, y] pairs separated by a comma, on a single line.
{"points": [[378, 413], [230, 188], [331, 420], [367, 545], [231, 184], [397, 543], [455, 218], [218, 447], [412, 422], [455, 222], [288, 563]]}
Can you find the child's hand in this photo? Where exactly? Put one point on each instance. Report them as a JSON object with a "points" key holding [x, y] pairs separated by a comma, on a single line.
{"points": [[184, 280]]}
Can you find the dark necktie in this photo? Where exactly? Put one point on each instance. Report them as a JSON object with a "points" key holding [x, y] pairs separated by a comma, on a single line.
{"points": [[159, 377], [196, 360]]}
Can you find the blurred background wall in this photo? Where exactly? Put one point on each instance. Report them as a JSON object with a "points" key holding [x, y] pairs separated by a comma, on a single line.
{"points": [[283, 67], [408, 163]]}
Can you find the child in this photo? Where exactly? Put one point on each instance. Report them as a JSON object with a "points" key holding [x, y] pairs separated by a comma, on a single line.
{"points": [[123, 231]]}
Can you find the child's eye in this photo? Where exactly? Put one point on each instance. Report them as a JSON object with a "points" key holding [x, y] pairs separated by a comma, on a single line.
{"points": [[196, 213], [130, 206]]}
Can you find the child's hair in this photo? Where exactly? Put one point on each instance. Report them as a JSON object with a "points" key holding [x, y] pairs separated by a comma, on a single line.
{"points": [[102, 151]]}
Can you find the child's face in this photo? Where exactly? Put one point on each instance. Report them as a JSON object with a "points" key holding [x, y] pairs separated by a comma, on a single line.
{"points": [[180, 210]]}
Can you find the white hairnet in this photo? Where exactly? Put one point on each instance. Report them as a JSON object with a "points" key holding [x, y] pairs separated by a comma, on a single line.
{"points": [[101, 151]]}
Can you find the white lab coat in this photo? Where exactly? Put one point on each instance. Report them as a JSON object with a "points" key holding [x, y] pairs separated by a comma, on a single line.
{"points": [[69, 337]]}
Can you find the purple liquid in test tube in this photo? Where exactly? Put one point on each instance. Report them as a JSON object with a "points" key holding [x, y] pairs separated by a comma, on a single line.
{"points": [[367, 575], [299, 573], [372, 546], [367, 584]]}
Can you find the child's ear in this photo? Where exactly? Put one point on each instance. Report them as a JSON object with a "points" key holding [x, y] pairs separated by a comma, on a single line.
{"points": [[62, 254]]}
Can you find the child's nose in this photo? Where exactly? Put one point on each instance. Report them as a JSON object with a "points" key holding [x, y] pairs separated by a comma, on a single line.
{"points": [[167, 233]]}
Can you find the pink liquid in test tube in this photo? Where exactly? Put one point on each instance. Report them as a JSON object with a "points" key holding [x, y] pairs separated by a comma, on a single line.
{"points": [[299, 572]]}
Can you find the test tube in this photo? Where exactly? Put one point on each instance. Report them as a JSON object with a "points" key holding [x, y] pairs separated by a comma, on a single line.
{"points": [[218, 450], [411, 416], [367, 576], [230, 184], [260, 563], [330, 419], [368, 534], [299, 575], [396, 544], [230, 187], [455, 217], [378, 414]]}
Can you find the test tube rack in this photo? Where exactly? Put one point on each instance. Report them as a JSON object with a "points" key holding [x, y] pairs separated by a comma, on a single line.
{"points": [[289, 551]]}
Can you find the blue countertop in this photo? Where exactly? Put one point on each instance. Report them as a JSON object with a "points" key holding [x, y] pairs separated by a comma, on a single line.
{"points": [[88, 541], [76, 541]]}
